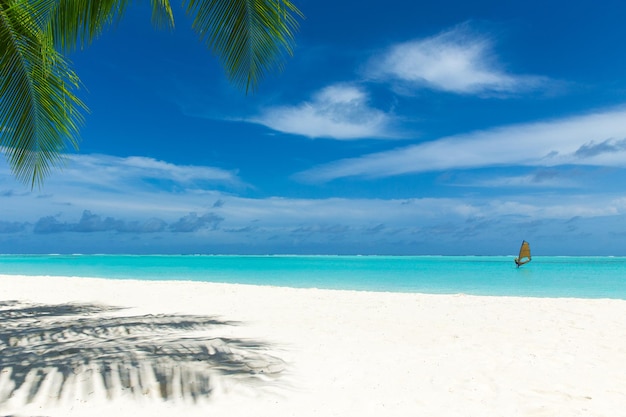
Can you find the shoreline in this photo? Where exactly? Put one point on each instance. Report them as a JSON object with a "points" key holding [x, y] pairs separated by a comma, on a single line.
{"points": [[491, 276], [312, 352], [192, 282]]}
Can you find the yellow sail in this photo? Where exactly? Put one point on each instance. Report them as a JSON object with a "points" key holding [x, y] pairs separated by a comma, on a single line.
{"points": [[524, 254]]}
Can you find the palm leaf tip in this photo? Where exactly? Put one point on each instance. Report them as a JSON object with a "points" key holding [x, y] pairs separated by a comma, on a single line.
{"points": [[250, 37]]}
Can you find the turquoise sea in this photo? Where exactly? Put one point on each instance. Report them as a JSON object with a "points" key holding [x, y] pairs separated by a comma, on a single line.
{"points": [[581, 277]]}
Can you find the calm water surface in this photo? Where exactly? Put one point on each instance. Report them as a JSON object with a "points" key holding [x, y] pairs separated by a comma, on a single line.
{"points": [[582, 277]]}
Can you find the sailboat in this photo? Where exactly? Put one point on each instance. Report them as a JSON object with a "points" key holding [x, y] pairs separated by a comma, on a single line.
{"points": [[524, 254]]}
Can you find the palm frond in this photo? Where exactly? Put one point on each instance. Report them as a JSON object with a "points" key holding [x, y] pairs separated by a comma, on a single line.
{"points": [[162, 13], [39, 113], [250, 37], [76, 23]]}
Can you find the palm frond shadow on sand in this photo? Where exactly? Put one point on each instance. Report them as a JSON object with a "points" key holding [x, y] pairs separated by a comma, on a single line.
{"points": [[48, 351]]}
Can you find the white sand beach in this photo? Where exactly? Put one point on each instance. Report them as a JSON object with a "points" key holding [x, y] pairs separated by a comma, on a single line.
{"points": [[203, 349]]}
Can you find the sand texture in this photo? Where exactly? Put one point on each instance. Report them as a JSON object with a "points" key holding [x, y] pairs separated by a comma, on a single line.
{"points": [[96, 347]]}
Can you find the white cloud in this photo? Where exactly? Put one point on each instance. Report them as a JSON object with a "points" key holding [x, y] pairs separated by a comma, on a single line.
{"points": [[122, 187], [336, 112], [457, 61], [593, 139], [522, 181], [543, 178], [113, 172]]}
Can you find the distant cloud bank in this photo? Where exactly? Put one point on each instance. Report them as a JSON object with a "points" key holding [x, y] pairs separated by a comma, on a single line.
{"points": [[134, 217], [90, 223]]}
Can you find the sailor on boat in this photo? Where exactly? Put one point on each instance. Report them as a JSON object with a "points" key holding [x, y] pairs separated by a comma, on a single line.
{"points": [[524, 254]]}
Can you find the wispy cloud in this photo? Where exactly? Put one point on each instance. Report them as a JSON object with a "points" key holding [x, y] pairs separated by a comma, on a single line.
{"points": [[122, 187], [337, 112], [115, 171], [608, 146], [593, 139], [543, 178], [458, 61]]}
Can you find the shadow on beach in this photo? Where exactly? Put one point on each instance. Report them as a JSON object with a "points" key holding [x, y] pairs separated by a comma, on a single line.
{"points": [[48, 352]]}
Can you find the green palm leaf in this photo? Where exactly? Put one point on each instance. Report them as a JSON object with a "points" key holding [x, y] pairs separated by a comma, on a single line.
{"points": [[39, 113], [74, 23], [250, 37]]}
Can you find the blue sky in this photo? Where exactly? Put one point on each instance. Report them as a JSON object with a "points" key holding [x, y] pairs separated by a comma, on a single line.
{"points": [[433, 127]]}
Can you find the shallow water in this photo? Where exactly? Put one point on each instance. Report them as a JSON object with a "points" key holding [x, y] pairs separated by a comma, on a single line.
{"points": [[581, 277]]}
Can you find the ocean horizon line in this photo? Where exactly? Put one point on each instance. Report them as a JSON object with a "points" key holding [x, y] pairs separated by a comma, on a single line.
{"points": [[321, 255]]}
